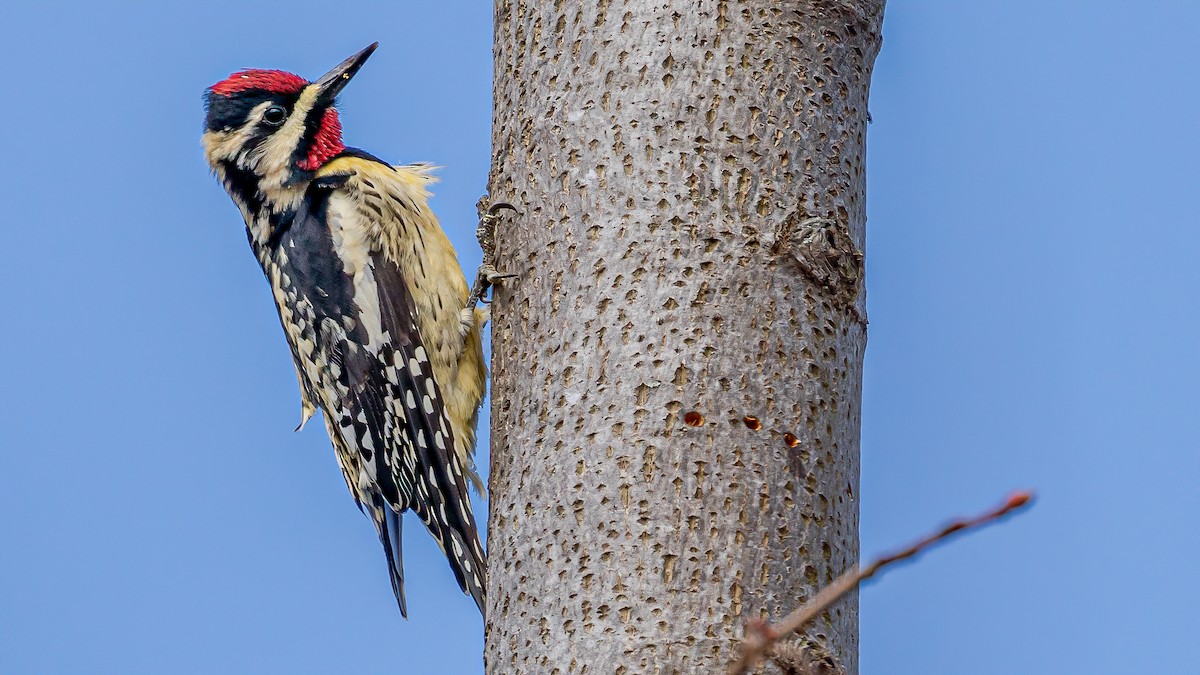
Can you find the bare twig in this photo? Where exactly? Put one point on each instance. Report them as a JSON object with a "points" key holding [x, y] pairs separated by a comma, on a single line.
{"points": [[761, 636]]}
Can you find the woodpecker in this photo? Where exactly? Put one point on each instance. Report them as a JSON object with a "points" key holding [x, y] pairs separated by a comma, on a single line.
{"points": [[382, 328]]}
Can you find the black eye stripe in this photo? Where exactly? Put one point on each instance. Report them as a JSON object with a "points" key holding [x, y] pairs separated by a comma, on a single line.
{"points": [[231, 112]]}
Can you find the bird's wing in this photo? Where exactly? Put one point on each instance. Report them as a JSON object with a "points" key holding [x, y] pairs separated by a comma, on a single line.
{"points": [[441, 496], [394, 201], [385, 403]]}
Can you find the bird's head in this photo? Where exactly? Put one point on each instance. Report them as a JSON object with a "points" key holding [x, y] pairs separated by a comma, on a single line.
{"points": [[273, 128]]}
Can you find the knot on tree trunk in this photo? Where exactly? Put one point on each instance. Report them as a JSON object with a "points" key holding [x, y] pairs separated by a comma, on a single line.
{"points": [[826, 254], [805, 657]]}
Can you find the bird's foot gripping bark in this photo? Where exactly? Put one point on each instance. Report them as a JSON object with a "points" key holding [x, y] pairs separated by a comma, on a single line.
{"points": [[487, 276]]}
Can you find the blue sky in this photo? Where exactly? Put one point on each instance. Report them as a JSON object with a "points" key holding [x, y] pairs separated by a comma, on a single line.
{"points": [[1032, 291]]}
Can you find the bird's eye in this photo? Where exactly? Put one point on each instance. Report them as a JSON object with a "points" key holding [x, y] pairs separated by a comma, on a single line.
{"points": [[274, 116]]}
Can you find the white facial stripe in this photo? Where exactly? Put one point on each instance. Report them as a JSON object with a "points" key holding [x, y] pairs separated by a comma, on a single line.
{"points": [[274, 156], [227, 146]]}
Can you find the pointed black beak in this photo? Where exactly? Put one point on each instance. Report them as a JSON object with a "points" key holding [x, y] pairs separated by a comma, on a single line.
{"points": [[332, 83]]}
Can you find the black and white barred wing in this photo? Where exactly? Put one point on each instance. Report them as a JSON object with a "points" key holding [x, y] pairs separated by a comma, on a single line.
{"points": [[441, 497], [391, 414]]}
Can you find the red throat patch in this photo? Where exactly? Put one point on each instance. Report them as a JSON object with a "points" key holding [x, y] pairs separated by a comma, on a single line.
{"points": [[326, 144], [274, 81]]}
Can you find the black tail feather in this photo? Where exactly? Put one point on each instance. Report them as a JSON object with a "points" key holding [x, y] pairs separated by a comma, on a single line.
{"points": [[466, 558], [388, 524]]}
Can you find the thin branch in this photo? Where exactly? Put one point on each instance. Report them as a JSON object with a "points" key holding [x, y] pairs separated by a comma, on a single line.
{"points": [[761, 636]]}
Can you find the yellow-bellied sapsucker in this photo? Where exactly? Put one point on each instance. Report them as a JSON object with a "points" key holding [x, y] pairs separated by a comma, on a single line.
{"points": [[372, 300]]}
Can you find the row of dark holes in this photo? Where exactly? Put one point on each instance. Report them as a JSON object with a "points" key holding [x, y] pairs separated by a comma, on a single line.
{"points": [[694, 418]]}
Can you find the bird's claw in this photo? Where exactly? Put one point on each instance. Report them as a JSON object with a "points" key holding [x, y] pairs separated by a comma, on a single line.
{"points": [[487, 276], [493, 277], [485, 279], [494, 210]]}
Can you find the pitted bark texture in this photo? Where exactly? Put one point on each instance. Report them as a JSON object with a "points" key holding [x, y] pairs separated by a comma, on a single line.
{"points": [[690, 180]]}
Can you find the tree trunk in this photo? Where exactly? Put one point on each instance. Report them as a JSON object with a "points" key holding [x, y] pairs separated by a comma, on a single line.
{"points": [[677, 369]]}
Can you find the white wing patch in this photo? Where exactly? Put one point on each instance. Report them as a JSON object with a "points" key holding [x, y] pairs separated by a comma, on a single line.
{"points": [[353, 244]]}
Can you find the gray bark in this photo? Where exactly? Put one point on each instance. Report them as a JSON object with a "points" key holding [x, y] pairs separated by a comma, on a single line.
{"points": [[690, 180]]}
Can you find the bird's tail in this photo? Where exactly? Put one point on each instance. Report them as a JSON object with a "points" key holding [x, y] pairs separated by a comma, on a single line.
{"points": [[461, 547], [387, 524], [452, 525]]}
